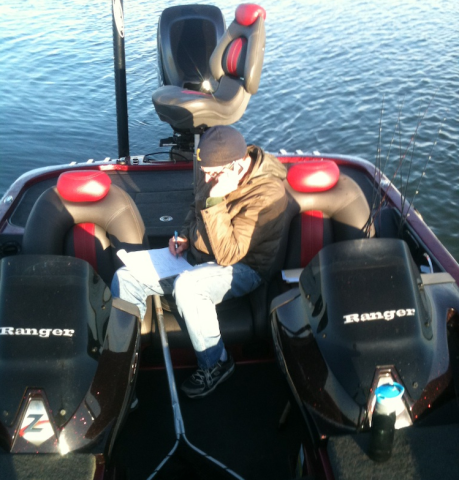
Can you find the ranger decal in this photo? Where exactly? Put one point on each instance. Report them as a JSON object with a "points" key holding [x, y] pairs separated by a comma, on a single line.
{"points": [[42, 332], [387, 315]]}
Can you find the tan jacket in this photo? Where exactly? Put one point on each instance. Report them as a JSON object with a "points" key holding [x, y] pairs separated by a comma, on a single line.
{"points": [[247, 225]]}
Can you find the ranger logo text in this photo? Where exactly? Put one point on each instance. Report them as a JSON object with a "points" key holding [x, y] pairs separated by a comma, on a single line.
{"points": [[42, 332], [387, 315]]}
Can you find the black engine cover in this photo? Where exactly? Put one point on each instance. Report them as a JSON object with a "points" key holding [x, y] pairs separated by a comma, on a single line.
{"points": [[52, 314], [364, 304], [360, 305]]}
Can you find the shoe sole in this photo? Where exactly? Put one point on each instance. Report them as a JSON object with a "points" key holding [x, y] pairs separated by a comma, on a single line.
{"points": [[222, 379]]}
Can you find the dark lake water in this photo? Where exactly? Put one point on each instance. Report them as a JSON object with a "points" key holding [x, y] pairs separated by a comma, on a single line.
{"points": [[330, 67]]}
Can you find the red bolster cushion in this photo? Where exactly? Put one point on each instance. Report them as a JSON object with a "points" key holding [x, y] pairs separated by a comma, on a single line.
{"points": [[234, 57], [83, 185], [313, 176], [247, 13]]}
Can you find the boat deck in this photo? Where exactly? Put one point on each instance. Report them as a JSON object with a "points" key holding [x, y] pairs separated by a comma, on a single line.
{"points": [[237, 425], [164, 191], [157, 194]]}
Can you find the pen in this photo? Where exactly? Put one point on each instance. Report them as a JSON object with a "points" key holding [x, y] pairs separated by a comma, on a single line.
{"points": [[176, 243]]}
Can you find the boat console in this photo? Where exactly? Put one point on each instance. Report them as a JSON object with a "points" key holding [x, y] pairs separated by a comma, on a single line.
{"points": [[362, 316], [61, 334]]}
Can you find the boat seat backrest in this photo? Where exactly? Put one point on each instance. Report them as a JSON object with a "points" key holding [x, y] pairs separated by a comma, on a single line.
{"points": [[87, 217], [331, 207], [187, 36]]}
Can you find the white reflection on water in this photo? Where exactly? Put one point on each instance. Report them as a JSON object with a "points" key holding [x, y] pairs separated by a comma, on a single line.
{"points": [[328, 65]]}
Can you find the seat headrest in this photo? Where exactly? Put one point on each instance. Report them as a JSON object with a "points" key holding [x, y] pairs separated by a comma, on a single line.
{"points": [[313, 176], [247, 13], [83, 185]]}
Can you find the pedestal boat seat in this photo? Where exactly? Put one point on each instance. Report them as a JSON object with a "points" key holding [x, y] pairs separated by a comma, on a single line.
{"points": [[324, 207], [186, 37], [87, 217], [235, 69]]}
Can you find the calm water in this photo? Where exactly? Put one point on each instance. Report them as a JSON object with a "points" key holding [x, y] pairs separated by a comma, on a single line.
{"points": [[329, 66]]}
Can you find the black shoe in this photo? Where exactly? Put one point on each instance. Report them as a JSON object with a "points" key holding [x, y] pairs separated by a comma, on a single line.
{"points": [[202, 382]]}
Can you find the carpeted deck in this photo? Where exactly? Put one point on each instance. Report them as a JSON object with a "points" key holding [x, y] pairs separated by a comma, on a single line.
{"points": [[237, 424], [418, 454]]}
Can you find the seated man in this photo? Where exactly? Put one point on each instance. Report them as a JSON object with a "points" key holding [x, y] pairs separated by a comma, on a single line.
{"points": [[231, 234]]}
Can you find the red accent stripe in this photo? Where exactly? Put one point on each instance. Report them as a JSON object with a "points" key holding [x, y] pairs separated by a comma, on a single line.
{"points": [[194, 92], [85, 243], [23, 429], [233, 55], [312, 235]]}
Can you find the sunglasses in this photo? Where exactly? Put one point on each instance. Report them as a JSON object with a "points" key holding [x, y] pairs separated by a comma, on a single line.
{"points": [[229, 168]]}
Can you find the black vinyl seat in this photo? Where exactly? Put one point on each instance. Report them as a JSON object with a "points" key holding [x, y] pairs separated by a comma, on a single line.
{"points": [[330, 208], [235, 66], [85, 216], [187, 36]]}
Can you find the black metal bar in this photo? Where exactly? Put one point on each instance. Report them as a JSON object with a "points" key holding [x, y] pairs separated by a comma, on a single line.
{"points": [[120, 78], [200, 461]]}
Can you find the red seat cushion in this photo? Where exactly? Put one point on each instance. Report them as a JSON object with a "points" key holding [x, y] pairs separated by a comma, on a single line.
{"points": [[234, 57], [247, 13], [313, 176], [83, 185]]}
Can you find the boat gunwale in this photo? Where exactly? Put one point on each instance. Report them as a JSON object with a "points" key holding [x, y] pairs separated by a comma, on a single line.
{"points": [[424, 235]]}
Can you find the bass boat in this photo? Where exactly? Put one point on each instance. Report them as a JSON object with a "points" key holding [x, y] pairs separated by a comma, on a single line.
{"points": [[347, 358]]}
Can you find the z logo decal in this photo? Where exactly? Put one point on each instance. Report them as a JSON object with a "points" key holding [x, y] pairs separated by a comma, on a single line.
{"points": [[31, 427], [36, 427]]}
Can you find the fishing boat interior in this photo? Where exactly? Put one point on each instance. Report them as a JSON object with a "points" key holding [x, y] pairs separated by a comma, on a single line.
{"points": [[362, 295]]}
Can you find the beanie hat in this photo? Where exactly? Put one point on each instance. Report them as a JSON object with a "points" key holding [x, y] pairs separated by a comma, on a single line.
{"points": [[220, 146]]}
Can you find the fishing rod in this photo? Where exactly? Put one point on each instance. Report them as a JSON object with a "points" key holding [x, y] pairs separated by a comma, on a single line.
{"points": [[377, 188], [416, 191], [405, 193], [399, 166], [397, 128]]}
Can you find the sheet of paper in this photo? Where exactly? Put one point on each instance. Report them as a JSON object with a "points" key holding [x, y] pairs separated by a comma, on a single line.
{"points": [[292, 275], [156, 264]]}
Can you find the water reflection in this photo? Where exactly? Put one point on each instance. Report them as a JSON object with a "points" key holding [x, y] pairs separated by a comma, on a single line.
{"points": [[328, 65]]}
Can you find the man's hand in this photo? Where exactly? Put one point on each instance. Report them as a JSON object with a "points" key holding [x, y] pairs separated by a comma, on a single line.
{"points": [[183, 245], [224, 184]]}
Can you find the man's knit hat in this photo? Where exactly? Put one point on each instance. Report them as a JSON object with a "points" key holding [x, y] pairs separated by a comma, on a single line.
{"points": [[220, 146]]}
